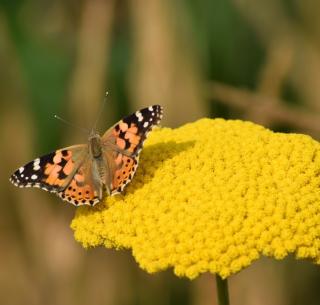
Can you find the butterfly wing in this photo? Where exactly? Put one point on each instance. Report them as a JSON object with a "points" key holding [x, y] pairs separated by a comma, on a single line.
{"points": [[121, 170], [50, 172], [122, 144], [85, 187], [65, 172]]}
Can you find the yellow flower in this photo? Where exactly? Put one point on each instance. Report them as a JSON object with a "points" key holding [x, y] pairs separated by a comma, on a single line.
{"points": [[213, 196]]}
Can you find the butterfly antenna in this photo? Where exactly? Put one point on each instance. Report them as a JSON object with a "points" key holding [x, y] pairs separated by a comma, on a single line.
{"points": [[70, 124], [100, 111]]}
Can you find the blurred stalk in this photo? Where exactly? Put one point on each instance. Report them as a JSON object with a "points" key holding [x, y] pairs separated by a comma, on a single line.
{"points": [[222, 291], [92, 53], [22, 269], [277, 66], [274, 109], [274, 25], [164, 68]]}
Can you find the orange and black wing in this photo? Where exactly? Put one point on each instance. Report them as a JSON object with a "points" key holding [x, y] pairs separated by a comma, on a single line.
{"points": [[122, 144], [65, 172], [84, 188], [50, 172]]}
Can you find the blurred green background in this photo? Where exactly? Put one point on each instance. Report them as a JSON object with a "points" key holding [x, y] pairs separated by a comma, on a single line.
{"points": [[257, 60]]}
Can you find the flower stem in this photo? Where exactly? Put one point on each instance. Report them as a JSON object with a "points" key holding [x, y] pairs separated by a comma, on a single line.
{"points": [[222, 291]]}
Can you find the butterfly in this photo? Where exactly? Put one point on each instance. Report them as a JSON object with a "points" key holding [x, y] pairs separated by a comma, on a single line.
{"points": [[80, 173]]}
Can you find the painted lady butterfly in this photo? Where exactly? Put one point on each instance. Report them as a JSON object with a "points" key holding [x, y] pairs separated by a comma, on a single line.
{"points": [[79, 174]]}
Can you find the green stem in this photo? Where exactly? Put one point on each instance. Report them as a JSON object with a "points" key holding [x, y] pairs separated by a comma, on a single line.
{"points": [[222, 291]]}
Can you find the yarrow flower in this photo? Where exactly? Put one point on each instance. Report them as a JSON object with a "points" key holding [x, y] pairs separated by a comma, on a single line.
{"points": [[213, 196]]}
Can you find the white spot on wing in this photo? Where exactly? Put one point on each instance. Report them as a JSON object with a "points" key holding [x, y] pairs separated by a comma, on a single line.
{"points": [[21, 169], [34, 177], [36, 165], [139, 116], [145, 124]]}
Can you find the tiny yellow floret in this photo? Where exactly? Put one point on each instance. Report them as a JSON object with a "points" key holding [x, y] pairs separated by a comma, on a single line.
{"points": [[213, 196]]}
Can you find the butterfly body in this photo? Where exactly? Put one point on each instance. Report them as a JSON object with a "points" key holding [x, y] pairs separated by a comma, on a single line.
{"points": [[79, 174], [95, 146]]}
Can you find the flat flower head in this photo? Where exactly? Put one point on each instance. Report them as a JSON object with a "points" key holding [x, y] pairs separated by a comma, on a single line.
{"points": [[213, 196]]}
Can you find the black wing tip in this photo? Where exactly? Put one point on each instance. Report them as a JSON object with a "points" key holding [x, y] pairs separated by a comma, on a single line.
{"points": [[160, 111], [157, 109], [160, 108], [14, 180]]}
